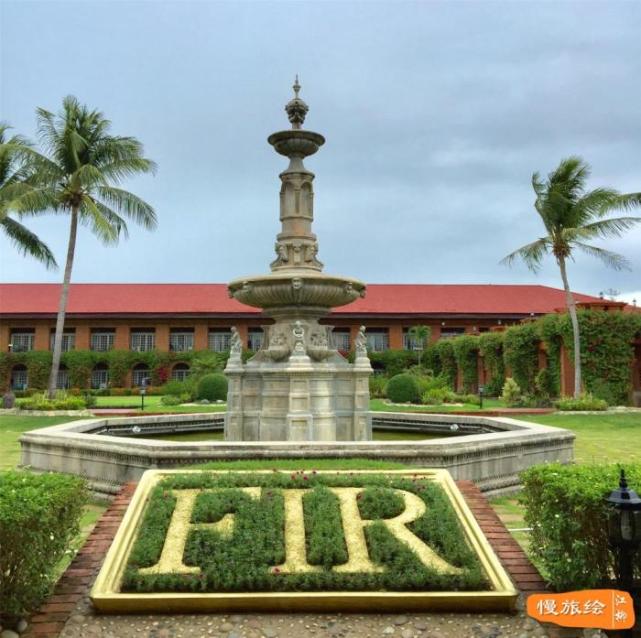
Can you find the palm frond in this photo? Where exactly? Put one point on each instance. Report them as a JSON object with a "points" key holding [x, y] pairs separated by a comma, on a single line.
{"points": [[28, 243], [611, 259], [102, 227], [532, 254], [606, 228], [130, 205]]}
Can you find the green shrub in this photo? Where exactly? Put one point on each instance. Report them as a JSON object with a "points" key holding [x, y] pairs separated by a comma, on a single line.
{"points": [[212, 387], [170, 399], [39, 515], [434, 396], [585, 402], [566, 510], [62, 401], [392, 362], [467, 398], [178, 388], [511, 393], [403, 388], [377, 384]]}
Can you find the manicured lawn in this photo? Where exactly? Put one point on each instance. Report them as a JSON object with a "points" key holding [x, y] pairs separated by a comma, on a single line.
{"points": [[11, 427], [600, 438]]}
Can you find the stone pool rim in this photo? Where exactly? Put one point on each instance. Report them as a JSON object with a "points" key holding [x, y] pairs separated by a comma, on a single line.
{"points": [[493, 460]]}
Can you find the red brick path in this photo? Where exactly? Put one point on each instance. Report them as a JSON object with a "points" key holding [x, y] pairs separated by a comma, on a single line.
{"points": [[50, 619]]}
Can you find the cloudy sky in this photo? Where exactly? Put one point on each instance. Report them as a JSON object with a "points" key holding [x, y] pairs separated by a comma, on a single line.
{"points": [[435, 113]]}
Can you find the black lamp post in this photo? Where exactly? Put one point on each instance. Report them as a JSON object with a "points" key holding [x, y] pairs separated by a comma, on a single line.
{"points": [[481, 391], [143, 391], [624, 530]]}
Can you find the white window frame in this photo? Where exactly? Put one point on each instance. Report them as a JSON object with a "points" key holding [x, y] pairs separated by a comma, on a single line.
{"points": [[460, 330], [377, 339], [219, 340], [180, 374], [342, 340], [140, 374], [255, 338], [181, 341], [99, 378], [23, 376], [22, 341], [68, 340], [102, 340], [143, 341], [62, 379]]}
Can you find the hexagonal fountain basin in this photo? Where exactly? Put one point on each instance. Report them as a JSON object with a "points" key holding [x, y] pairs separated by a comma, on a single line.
{"points": [[109, 452]]}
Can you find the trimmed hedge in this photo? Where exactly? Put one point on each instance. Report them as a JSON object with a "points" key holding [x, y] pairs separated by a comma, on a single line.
{"points": [[39, 516], [212, 387], [403, 388], [246, 560], [566, 510]]}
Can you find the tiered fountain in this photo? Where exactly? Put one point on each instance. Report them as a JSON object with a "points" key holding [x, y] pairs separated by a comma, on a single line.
{"points": [[297, 387]]}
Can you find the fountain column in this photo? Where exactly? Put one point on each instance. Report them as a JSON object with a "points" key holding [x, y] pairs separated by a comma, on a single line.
{"points": [[297, 387]]}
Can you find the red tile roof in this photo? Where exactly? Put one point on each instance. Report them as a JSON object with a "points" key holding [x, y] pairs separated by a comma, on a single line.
{"points": [[212, 299]]}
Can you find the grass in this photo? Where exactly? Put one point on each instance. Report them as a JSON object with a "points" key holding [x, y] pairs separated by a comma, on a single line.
{"points": [[91, 513], [11, 427], [600, 438]]}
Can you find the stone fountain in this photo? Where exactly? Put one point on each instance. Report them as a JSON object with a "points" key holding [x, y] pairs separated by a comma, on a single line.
{"points": [[297, 387]]}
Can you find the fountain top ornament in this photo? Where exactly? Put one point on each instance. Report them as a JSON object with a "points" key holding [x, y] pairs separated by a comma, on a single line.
{"points": [[296, 288]]}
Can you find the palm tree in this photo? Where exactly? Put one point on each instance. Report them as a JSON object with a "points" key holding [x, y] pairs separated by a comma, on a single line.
{"points": [[78, 174], [14, 186], [419, 336], [573, 216]]}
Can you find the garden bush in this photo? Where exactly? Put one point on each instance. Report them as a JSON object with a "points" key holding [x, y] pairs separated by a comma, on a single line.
{"points": [[377, 384], [511, 393], [212, 387], [585, 402], [435, 396], [178, 388], [62, 401], [566, 510], [39, 515], [170, 399], [403, 388]]}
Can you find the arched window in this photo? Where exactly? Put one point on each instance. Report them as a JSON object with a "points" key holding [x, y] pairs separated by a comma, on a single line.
{"points": [[19, 378], [180, 372], [140, 373], [100, 376], [62, 381]]}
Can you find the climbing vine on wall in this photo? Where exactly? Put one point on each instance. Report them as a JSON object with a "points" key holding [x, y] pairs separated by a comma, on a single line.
{"points": [[606, 353], [520, 352], [550, 330], [491, 349], [445, 353], [466, 352]]}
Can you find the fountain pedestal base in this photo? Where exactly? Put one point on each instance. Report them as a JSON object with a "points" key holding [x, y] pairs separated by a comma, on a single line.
{"points": [[298, 400]]}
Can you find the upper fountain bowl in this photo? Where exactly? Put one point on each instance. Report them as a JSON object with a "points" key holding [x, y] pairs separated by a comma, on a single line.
{"points": [[296, 142]]}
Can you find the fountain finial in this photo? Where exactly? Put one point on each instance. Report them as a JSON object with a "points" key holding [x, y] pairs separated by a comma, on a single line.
{"points": [[296, 107]]}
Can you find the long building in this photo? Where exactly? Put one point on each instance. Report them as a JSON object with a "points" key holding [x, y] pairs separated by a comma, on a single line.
{"points": [[180, 317]]}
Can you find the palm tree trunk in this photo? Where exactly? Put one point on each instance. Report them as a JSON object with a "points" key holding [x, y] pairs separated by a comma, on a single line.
{"points": [[62, 308], [569, 297]]}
